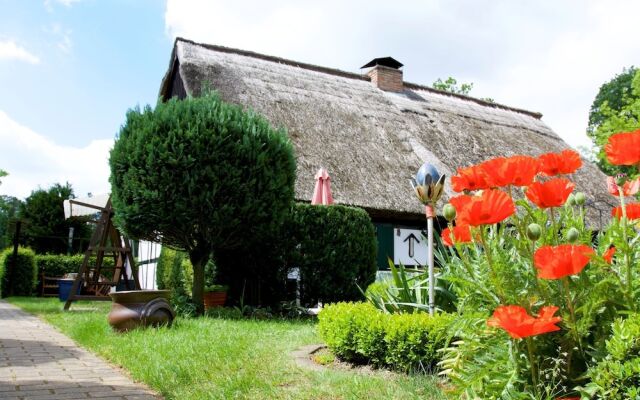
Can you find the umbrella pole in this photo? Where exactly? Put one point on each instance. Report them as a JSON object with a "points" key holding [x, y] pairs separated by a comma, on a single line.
{"points": [[432, 279]]}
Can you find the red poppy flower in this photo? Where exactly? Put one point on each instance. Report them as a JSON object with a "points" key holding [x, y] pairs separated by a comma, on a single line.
{"points": [[628, 189], [633, 211], [623, 148], [469, 178], [565, 162], [552, 193], [608, 255], [555, 262], [519, 324], [491, 207], [459, 234], [515, 171]]}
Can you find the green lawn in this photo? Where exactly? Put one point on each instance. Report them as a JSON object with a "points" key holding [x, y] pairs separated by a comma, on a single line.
{"points": [[210, 358]]}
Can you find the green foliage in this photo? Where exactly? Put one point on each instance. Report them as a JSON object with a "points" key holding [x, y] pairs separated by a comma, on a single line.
{"points": [[615, 93], [615, 109], [58, 264], [451, 85], [617, 376], [202, 176], [46, 230], [336, 252], [408, 291], [9, 211], [24, 272], [173, 272], [359, 333]]}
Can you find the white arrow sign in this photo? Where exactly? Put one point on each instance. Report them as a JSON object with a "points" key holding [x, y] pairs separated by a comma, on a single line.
{"points": [[409, 247]]}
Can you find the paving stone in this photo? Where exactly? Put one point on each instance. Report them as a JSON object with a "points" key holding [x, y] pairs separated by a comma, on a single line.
{"points": [[39, 363]]}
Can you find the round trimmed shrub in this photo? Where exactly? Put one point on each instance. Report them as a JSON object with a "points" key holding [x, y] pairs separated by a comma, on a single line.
{"points": [[336, 252], [200, 175], [24, 272], [360, 333]]}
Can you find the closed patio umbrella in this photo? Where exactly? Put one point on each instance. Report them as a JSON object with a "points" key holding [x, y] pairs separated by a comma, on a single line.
{"points": [[322, 191]]}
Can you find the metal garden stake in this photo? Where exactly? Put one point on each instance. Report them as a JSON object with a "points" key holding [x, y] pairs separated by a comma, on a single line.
{"points": [[429, 185]]}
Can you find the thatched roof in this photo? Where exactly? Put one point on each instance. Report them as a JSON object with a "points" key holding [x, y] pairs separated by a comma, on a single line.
{"points": [[371, 141]]}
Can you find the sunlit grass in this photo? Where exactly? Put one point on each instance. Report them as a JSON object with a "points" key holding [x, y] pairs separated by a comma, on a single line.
{"points": [[209, 358]]}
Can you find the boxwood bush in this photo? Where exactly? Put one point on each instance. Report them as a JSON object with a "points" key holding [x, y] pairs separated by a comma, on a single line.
{"points": [[24, 273], [360, 333], [336, 252]]}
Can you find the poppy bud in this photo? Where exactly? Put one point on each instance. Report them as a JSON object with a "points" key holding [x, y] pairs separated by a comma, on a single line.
{"points": [[621, 179], [449, 212], [581, 198], [572, 235], [571, 200], [534, 231]]}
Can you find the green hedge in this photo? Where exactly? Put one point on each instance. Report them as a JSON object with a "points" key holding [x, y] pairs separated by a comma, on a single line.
{"points": [[360, 333], [618, 375], [24, 273], [55, 265], [174, 272], [336, 252]]}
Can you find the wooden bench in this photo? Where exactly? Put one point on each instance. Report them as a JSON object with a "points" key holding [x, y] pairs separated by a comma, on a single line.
{"points": [[49, 286]]}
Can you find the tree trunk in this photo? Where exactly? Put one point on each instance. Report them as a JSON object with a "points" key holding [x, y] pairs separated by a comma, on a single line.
{"points": [[199, 260]]}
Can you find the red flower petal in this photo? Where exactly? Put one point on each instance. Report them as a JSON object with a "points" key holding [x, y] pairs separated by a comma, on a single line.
{"points": [[555, 262], [552, 193]]}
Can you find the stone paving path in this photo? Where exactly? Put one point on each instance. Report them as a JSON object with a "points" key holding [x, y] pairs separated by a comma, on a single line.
{"points": [[38, 362]]}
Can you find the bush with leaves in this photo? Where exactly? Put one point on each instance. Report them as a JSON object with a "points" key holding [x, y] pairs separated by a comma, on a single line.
{"points": [[21, 270], [617, 376], [408, 291], [336, 251], [200, 175], [360, 333], [551, 294]]}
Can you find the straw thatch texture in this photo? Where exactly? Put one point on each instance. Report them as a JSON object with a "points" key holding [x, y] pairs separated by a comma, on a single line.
{"points": [[371, 141]]}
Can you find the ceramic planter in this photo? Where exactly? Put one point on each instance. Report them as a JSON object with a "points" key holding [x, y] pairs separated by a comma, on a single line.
{"points": [[140, 308], [214, 299]]}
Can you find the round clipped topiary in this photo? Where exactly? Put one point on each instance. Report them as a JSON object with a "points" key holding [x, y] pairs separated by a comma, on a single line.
{"points": [[200, 175]]}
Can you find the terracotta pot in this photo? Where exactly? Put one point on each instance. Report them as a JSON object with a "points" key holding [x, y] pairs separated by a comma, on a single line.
{"points": [[140, 308], [214, 299]]}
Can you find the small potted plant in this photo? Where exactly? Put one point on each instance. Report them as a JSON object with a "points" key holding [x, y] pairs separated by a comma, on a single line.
{"points": [[215, 296]]}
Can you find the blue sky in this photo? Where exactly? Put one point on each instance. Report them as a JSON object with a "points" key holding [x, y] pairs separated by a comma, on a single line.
{"points": [[69, 69], [96, 59]]}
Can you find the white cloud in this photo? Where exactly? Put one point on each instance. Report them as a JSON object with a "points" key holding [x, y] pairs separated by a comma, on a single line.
{"points": [[9, 50], [62, 36], [34, 161], [546, 56], [48, 4]]}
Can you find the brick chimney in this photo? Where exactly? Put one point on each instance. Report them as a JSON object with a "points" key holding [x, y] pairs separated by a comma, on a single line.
{"points": [[385, 74]]}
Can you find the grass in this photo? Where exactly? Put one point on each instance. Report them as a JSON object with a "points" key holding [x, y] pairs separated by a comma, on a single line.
{"points": [[211, 358]]}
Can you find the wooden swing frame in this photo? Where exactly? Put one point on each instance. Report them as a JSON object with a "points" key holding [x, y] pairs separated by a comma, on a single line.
{"points": [[105, 241]]}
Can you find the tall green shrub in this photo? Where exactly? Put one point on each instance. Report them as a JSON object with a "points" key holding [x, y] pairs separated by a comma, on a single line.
{"points": [[336, 251], [173, 272], [24, 272], [200, 175]]}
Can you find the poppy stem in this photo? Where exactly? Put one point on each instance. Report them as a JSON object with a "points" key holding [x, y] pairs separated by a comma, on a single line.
{"points": [[553, 225], [533, 368], [625, 239], [487, 253], [565, 284]]}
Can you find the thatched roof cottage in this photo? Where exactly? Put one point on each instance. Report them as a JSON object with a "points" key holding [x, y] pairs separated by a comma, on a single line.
{"points": [[371, 131]]}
